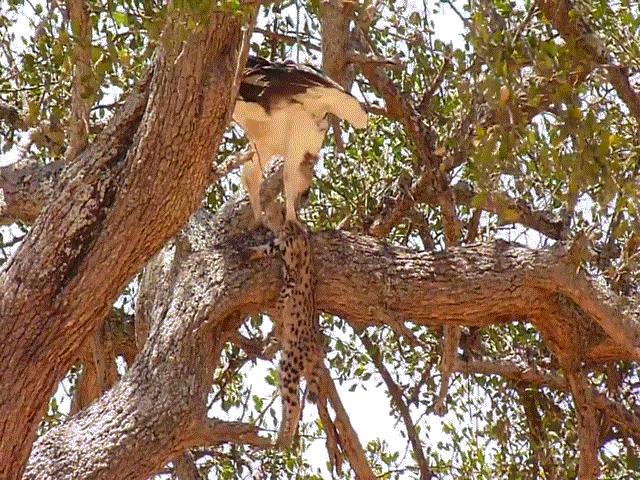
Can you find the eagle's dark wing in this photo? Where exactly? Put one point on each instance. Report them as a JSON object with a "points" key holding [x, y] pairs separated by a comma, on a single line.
{"points": [[269, 84]]}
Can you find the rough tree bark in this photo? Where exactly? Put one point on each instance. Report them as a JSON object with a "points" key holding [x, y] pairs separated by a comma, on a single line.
{"points": [[115, 206]]}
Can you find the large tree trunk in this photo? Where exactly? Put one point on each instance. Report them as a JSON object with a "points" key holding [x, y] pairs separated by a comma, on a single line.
{"points": [[115, 206]]}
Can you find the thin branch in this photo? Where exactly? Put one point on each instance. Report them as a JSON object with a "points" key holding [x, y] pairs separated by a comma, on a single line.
{"points": [[401, 106], [628, 420], [511, 210], [398, 403], [83, 85], [564, 18], [473, 226], [449, 359], [588, 425], [421, 223], [538, 436], [288, 39], [423, 106], [361, 58]]}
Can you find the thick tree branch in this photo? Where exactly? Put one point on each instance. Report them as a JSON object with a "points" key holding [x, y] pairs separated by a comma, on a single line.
{"points": [[334, 22], [213, 432], [115, 337], [27, 188], [98, 373]]}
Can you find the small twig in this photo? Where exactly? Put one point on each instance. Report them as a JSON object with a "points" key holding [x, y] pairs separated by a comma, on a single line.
{"points": [[527, 19], [423, 106], [360, 58], [12, 242], [464, 19], [288, 39]]}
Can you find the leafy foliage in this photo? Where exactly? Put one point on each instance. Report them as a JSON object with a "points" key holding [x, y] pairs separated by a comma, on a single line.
{"points": [[529, 115]]}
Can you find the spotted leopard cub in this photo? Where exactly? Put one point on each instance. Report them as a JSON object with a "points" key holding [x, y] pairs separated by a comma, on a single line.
{"points": [[296, 325]]}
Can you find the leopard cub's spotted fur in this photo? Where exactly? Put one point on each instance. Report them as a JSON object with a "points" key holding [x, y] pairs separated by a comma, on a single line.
{"points": [[297, 325]]}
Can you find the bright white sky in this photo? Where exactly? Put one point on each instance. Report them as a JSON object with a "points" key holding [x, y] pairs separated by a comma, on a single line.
{"points": [[368, 410]]}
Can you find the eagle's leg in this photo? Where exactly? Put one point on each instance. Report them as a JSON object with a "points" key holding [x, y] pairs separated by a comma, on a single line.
{"points": [[252, 180]]}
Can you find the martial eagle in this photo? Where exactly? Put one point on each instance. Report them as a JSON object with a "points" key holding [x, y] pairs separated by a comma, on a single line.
{"points": [[282, 108]]}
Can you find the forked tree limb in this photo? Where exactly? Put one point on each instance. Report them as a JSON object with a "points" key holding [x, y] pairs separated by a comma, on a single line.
{"points": [[347, 435], [332, 443]]}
